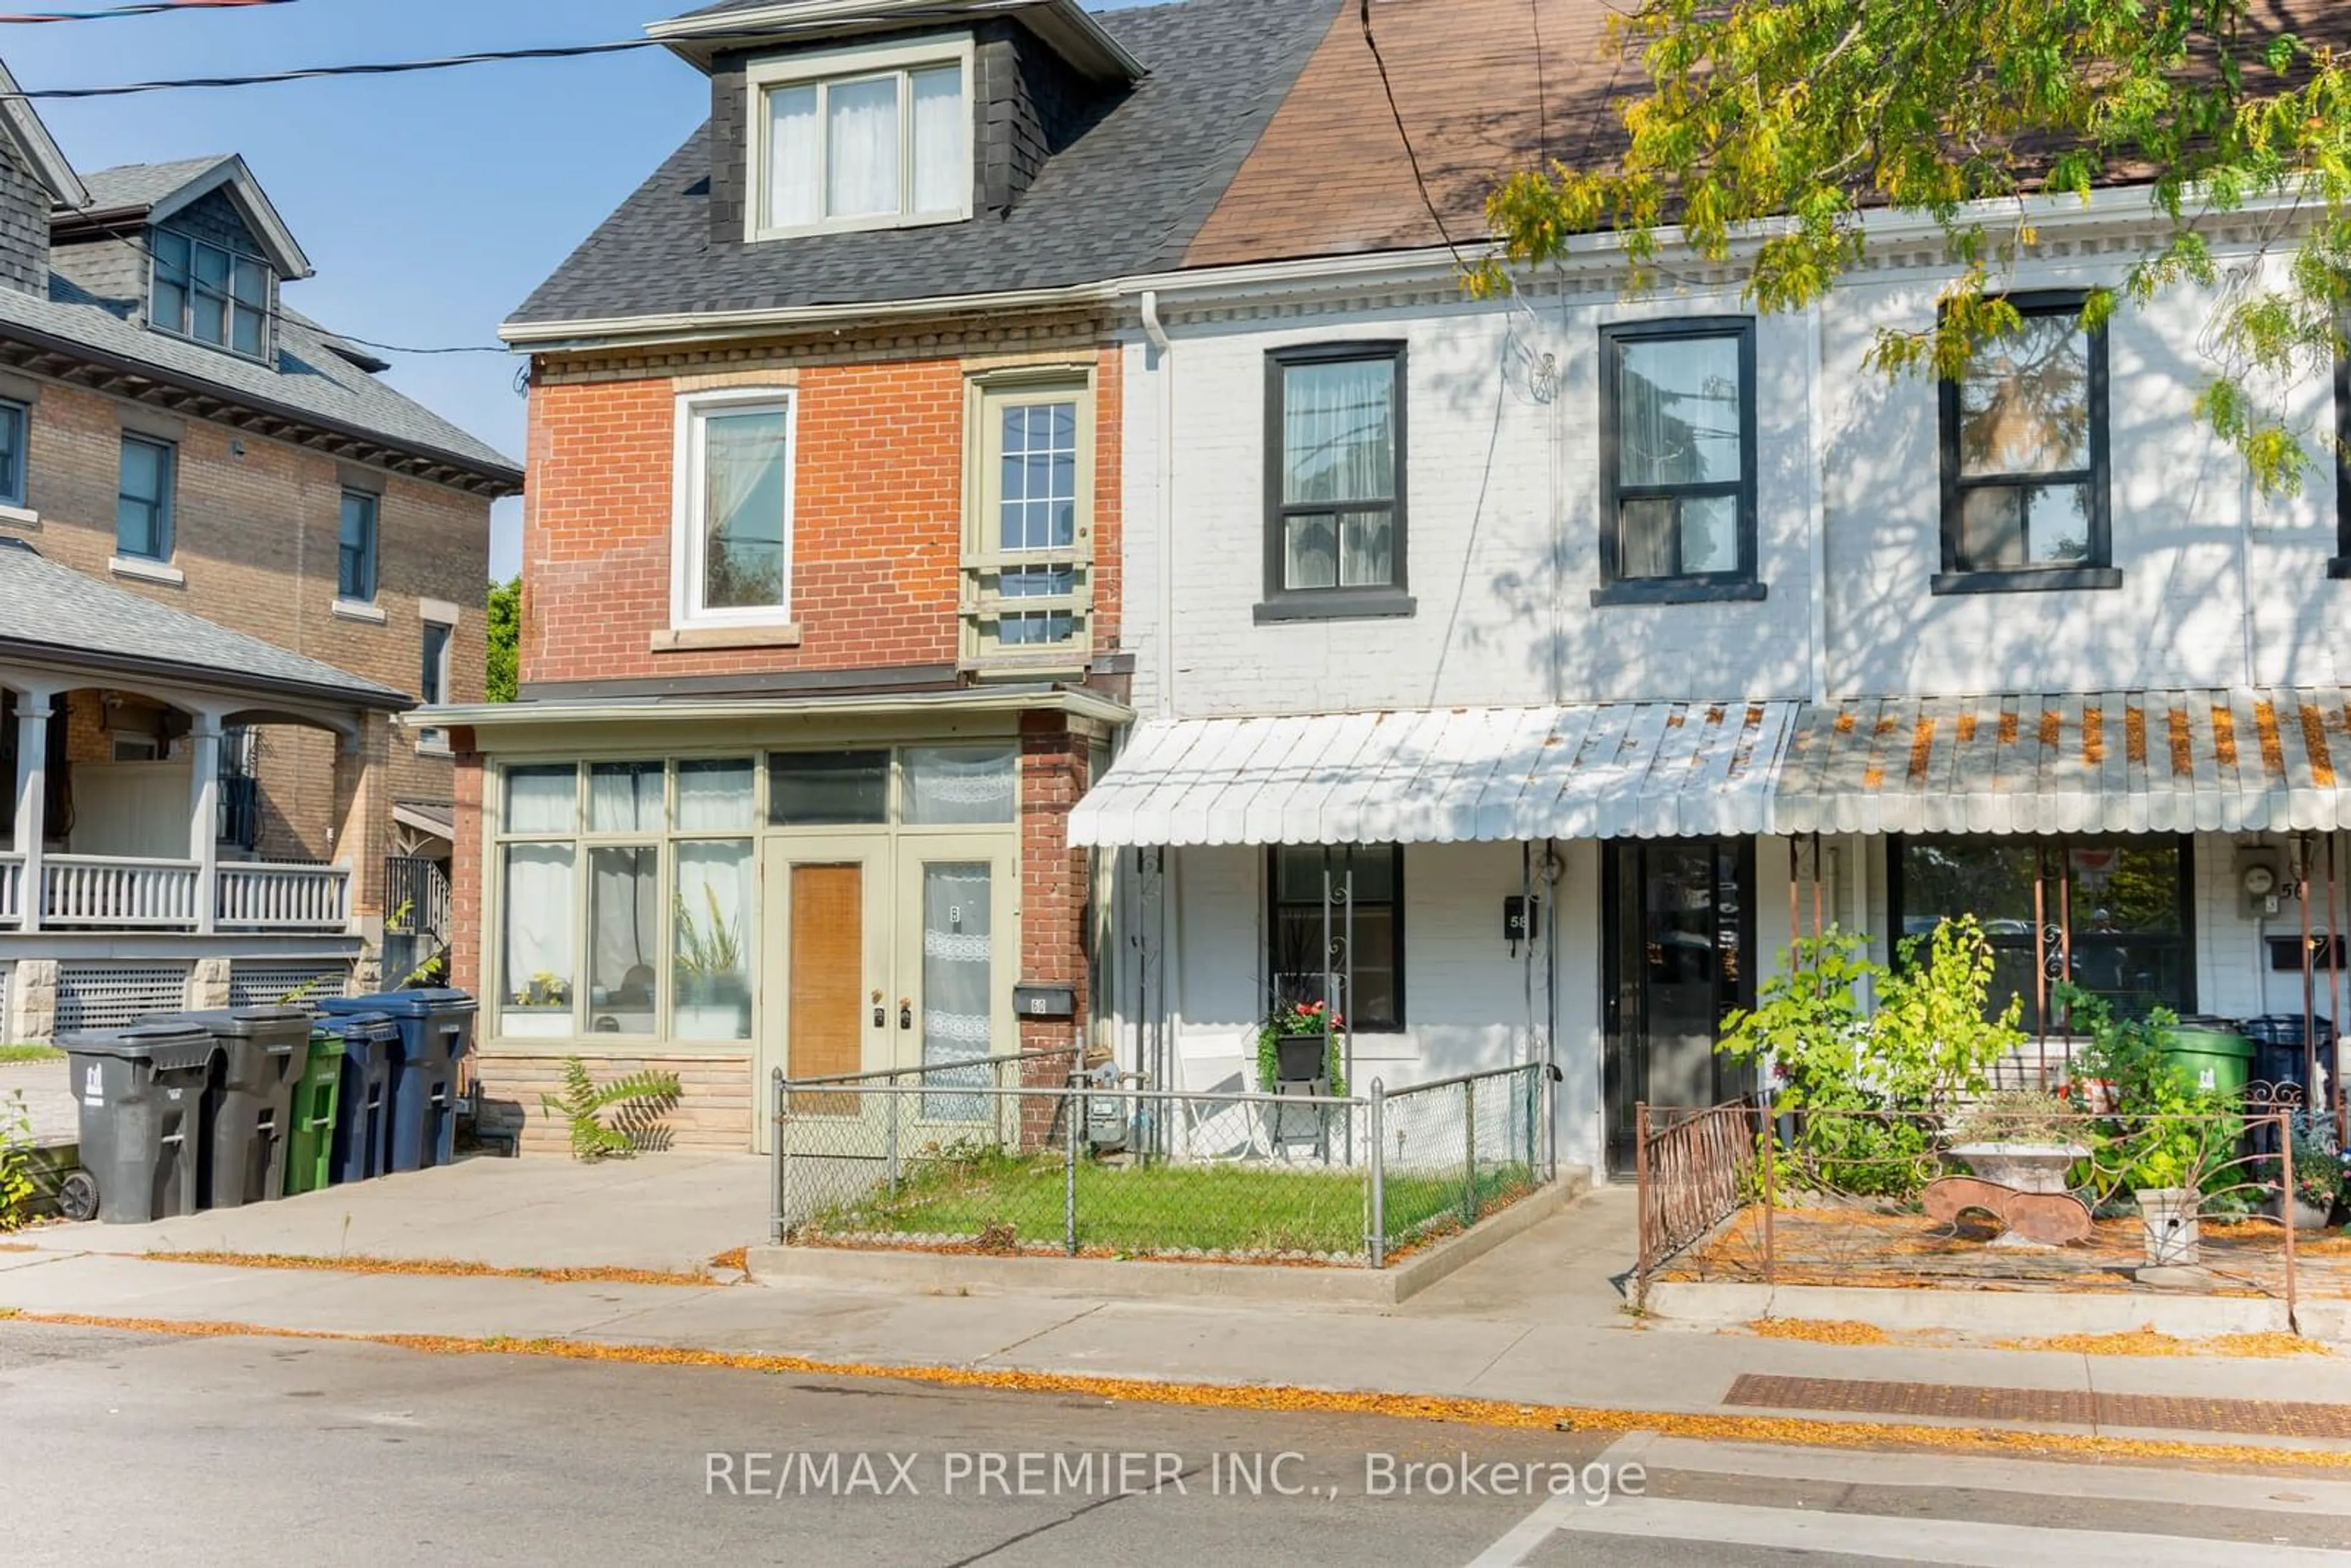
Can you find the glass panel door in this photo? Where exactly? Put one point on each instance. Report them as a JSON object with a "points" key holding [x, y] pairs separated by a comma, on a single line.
{"points": [[955, 896]]}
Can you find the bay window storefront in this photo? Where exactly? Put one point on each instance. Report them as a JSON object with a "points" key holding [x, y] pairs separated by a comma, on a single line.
{"points": [[2113, 914]]}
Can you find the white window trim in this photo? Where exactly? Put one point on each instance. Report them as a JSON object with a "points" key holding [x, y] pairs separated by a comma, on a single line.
{"points": [[834, 65], [984, 393], [687, 492], [359, 609]]}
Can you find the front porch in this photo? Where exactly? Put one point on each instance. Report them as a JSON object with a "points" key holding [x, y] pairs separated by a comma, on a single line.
{"points": [[124, 892]]}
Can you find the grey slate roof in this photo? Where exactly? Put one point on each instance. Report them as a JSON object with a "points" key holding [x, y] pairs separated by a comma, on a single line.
{"points": [[1125, 197], [144, 185], [309, 378], [52, 611]]}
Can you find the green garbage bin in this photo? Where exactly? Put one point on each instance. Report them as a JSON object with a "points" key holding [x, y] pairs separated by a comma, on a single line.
{"points": [[310, 1142], [2210, 1056]]}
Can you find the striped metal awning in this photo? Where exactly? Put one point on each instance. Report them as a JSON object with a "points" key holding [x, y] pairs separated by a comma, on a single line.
{"points": [[1452, 776], [2262, 760]]}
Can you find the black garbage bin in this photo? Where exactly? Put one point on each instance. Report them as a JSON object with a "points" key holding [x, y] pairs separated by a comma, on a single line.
{"points": [[262, 1053], [143, 1092], [436, 1028], [364, 1108], [2280, 1052]]}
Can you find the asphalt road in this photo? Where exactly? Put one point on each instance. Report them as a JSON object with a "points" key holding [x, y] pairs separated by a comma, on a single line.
{"points": [[124, 1447]]}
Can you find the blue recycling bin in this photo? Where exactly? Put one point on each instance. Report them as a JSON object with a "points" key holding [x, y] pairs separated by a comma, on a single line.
{"points": [[362, 1140], [436, 1028]]}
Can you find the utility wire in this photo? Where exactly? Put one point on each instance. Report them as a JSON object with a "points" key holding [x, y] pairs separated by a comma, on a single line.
{"points": [[1542, 90], [1412, 155], [375, 68], [116, 12]]}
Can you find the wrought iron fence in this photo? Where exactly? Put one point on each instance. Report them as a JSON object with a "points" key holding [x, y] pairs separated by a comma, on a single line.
{"points": [[1016, 1156], [2082, 1201]]}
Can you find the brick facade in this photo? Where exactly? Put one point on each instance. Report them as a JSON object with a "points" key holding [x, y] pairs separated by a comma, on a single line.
{"points": [[256, 524]]}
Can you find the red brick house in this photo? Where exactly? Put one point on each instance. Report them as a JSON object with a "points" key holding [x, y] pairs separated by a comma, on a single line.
{"points": [[822, 553]]}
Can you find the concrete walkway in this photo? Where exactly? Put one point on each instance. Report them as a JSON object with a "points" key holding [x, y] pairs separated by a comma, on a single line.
{"points": [[667, 1211], [48, 1096], [1535, 1323]]}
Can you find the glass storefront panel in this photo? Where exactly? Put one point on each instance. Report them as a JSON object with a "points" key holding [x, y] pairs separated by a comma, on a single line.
{"points": [[716, 797], [542, 799], [960, 784], [624, 798], [625, 938], [540, 938], [711, 936], [829, 789]]}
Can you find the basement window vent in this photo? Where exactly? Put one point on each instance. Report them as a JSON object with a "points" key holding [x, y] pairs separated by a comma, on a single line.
{"points": [[110, 996], [291, 984]]}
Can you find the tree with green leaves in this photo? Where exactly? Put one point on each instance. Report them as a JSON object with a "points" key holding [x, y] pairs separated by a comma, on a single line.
{"points": [[1768, 129], [506, 641]]}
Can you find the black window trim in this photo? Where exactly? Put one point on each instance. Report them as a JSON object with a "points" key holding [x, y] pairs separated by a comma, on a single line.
{"points": [[1744, 583], [2099, 571], [1273, 902], [1282, 602], [167, 529], [2186, 896], [371, 552]]}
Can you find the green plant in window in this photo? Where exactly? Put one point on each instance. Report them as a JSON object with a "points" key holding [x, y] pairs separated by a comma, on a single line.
{"points": [[711, 949], [546, 989]]}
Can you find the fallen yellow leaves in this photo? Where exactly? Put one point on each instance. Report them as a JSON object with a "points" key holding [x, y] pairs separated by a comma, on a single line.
{"points": [[2148, 1342], [1276, 1398], [440, 1268], [1822, 1330], [738, 1260]]}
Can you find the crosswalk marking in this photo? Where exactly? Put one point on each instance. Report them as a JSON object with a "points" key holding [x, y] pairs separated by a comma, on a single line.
{"points": [[1967, 1543], [1971, 1543]]}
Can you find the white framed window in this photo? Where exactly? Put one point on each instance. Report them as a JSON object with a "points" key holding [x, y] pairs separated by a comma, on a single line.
{"points": [[861, 139], [1028, 552], [731, 549]]}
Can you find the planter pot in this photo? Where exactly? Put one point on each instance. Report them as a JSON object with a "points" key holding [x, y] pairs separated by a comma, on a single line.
{"points": [[2305, 1215], [1299, 1059], [2169, 1213], [2023, 1167]]}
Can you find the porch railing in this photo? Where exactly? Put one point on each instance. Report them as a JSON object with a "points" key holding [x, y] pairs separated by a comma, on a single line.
{"points": [[284, 897], [112, 891], [12, 887], [1693, 1168]]}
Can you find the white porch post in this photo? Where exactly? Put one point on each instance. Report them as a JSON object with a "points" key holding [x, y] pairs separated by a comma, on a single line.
{"points": [[32, 797], [204, 814]]}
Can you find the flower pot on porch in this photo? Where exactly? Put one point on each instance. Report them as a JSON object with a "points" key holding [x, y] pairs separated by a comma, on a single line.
{"points": [[2303, 1213], [2023, 1167], [2169, 1213], [1299, 1059]]}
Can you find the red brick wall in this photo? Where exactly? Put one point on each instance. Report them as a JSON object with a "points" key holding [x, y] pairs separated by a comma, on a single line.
{"points": [[877, 524], [465, 875]]}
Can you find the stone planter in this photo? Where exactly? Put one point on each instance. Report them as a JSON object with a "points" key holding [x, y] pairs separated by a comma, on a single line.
{"points": [[2305, 1215], [2023, 1167], [2168, 1213]]}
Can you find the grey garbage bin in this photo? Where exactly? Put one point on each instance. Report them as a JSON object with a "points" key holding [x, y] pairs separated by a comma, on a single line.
{"points": [[263, 1051], [142, 1092]]}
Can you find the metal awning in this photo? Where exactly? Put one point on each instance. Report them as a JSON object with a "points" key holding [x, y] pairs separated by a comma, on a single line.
{"points": [[2262, 760], [1458, 775]]}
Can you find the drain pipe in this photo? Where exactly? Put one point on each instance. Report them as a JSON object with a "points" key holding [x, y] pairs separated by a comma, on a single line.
{"points": [[1157, 330], [1816, 507]]}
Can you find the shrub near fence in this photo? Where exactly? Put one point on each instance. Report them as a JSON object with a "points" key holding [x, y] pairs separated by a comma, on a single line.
{"points": [[979, 1157]]}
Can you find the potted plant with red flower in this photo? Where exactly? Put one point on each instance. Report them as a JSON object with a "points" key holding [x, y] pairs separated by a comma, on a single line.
{"points": [[1299, 1044]]}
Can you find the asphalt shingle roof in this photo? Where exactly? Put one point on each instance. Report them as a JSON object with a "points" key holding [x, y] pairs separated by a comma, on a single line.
{"points": [[45, 606], [144, 185], [1125, 197], [309, 378]]}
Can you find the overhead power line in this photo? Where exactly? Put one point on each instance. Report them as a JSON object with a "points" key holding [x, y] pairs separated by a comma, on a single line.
{"points": [[1411, 154], [372, 68], [116, 12]]}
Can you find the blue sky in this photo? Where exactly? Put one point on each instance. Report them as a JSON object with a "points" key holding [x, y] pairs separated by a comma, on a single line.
{"points": [[433, 203]]}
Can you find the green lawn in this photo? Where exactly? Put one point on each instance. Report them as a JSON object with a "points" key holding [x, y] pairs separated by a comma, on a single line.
{"points": [[10, 1054], [1164, 1208]]}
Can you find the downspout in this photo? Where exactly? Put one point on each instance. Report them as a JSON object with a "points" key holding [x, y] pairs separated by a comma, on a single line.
{"points": [[1157, 330], [1816, 502]]}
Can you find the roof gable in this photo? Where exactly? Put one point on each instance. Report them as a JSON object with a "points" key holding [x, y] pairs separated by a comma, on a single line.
{"points": [[156, 192], [22, 126]]}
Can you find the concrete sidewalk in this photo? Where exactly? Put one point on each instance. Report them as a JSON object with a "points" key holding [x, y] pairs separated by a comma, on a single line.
{"points": [[1517, 1327]]}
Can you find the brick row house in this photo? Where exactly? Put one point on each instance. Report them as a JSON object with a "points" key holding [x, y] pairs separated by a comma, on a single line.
{"points": [[1578, 647], [230, 557]]}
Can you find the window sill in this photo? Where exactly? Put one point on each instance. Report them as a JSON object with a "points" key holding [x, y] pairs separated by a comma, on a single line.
{"points": [[2028, 580], [2339, 569], [1680, 591], [148, 570], [359, 609], [1337, 604], [433, 748], [19, 517], [695, 639]]}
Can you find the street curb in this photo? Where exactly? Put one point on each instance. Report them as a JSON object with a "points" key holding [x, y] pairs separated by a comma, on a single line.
{"points": [[1725, 1304], [1146, 1279]]}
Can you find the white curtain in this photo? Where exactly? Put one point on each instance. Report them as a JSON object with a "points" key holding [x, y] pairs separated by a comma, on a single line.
{"points": [[625, 900], [958, 953], [792, 185], [539, 917], [1339, 446], [941, 142], [624, 798], [860, 147], [960, 784], [743, 509], [542, 800], [714, 796]]}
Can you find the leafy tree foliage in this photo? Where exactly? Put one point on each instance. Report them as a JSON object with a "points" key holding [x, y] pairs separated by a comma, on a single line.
{"points": [[1768, 127], [505, 640]]}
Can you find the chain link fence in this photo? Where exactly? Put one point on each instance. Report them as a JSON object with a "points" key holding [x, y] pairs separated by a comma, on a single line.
{"points": [[1015, 1155]]}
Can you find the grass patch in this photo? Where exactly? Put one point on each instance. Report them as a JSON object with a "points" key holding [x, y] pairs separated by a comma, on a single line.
{"points": [[1009, 1202], [12, 1054]]}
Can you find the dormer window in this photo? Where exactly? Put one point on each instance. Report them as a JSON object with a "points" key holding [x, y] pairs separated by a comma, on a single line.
{"points": [[212, 295], [861, 138]]}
